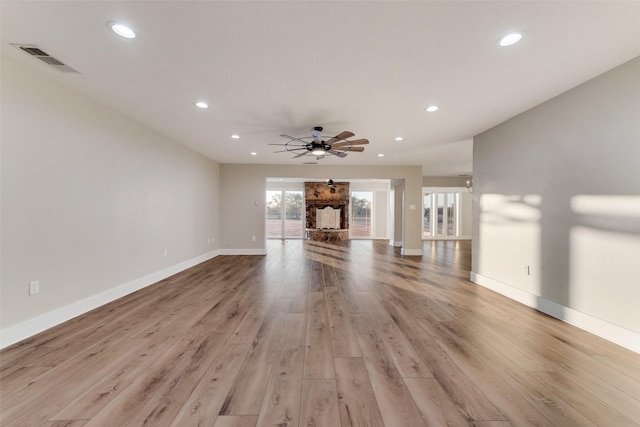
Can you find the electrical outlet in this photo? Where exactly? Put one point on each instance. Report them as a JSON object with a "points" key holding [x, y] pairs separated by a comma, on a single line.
{"points": [[527, 270], [253, 238], [209, 240], [34, 287], [165, 252]]}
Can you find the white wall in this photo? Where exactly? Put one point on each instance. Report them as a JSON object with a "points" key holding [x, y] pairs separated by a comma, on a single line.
{"points": [[557, 188], [243, 188], [445, 181], [397, 194], [90, 201], [466, 213], [381, 215]]}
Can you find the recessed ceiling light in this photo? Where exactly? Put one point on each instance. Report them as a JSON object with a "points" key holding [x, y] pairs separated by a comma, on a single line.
{"points": [[253, 153], [432, 108], [202, 104], [121, 30], [510, 39], [380, 155], [398, 138], [235, 136]]}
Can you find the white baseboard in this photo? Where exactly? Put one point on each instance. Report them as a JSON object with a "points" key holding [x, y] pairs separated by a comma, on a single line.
{"points": [[243, 251], [396, 243], [28, 328], [614, 333], [411, 252]]}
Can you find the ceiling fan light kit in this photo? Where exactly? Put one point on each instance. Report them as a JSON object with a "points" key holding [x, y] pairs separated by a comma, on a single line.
{"points": [[315, 145]]}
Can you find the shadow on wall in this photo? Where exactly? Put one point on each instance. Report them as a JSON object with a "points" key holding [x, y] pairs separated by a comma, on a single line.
{"points": [[580, 252], [604, 252], [509, 240]]}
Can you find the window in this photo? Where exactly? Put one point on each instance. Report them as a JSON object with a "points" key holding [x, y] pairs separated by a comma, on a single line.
{"points": [[284, 220], [426, 220], [360, 222], [274, 213], [441, 215]]}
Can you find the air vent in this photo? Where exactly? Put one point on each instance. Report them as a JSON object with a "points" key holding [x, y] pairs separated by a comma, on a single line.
{"points": [[309, 163], [43, 56]]}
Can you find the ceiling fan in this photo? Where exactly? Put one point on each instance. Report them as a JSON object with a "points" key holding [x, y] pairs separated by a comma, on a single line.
{"points": [[339, 145]]}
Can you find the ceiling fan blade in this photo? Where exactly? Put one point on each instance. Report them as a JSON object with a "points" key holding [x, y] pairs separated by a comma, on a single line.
{"points": [[362, 141], [339, 137], [293, 138], [290, 150], [337, 153], [349, 148], [301, 154]]}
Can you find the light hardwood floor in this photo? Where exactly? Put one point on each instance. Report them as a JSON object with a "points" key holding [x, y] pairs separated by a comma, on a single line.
{"points": [[317, 334]]}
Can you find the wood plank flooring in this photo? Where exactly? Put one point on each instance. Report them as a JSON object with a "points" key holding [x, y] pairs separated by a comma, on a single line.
{"points": [[317, 334]]}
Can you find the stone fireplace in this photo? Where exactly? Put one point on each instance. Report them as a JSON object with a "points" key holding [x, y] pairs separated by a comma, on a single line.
{"points": [[327, 211]]}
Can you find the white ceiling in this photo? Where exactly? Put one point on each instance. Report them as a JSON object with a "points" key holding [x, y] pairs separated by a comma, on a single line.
{"points": [[269, 68]]}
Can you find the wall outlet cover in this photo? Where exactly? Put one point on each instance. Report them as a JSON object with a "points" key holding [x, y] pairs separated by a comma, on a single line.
{"points": [[34, 287]]}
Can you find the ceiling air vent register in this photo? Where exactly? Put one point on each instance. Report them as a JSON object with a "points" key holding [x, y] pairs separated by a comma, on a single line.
{"points": [[43, 56]]}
